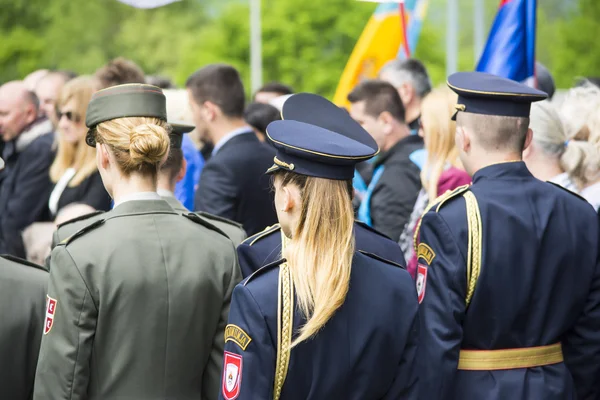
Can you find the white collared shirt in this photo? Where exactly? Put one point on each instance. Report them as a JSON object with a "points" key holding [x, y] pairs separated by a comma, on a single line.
{"points": [[138, 196], [229, 136]]}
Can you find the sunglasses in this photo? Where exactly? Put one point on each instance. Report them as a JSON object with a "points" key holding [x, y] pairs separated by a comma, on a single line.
{"points": [[71, 116]]}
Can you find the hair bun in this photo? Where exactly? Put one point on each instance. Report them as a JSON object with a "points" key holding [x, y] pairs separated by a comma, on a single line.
{"points": [[149, 144]]}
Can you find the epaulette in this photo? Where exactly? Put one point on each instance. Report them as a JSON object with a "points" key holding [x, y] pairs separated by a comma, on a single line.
{"points": [[379, 258], [81, 232], [198, 220], [23, 261], [440, 200], [254, 238], [264, 269], [218, 218], [370, 228], [568, 191], [437, 204], [80, 218]]}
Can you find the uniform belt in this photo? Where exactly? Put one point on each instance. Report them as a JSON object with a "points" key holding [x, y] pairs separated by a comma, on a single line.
{"points": [[489, 360]]}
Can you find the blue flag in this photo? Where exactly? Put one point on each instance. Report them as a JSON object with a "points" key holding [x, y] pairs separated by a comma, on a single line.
{"points": [[510, 48]]}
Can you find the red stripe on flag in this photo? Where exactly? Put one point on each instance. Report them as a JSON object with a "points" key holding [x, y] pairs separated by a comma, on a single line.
{"points": [[403, 23], [503, 2]]}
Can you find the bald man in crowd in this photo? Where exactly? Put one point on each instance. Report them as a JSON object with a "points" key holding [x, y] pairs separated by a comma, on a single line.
{"points": [[25, 184]]}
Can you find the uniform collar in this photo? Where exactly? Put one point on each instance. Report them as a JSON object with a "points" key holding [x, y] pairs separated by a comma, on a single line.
{"points": [[137, 196], [136, 207], [508, 169], [229, 136]]}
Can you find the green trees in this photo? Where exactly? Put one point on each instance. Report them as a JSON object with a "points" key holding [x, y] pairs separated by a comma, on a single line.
{"points": [[305, 43]]}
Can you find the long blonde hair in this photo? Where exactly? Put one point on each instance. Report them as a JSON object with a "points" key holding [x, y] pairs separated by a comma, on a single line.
{"points": [[75, 155], [437, 109], [139, 144], [321, 249]]}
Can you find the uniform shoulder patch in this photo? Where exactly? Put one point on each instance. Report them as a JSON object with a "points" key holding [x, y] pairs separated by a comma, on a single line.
{"points": [[218, 218], [203, 222], [379, 258], [568, 191], [80, 218], [267, 231], [82, 232], [264, 269], [370, 228], [232, 375], [237, 335], [22, 261], [440, 200], [425, 252]]}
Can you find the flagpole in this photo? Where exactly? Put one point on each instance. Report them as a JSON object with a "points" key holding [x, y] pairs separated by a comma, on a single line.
{"points": [[478, 29], [255, 46], [451, 37]]}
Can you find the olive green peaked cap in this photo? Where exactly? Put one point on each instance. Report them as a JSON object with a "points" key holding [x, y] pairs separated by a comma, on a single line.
{"points": [[130, 100]]}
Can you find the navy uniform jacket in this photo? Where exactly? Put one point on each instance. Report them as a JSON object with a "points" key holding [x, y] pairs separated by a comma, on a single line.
{"points": [[539, 285], [265, 247], [365, 351]]}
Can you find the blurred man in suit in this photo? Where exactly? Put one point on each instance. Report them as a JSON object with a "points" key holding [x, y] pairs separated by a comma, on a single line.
{"points": [[25, 184], [232, 183]]}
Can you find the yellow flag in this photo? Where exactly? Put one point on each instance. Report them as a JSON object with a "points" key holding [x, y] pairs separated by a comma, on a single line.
{"points": [[379, 43]]}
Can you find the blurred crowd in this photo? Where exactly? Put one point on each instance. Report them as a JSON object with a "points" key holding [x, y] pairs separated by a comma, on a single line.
{"points": [[50, 175]]}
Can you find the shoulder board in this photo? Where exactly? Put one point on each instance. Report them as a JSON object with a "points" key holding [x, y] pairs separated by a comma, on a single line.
{"points": [[440, 200], [370, 228], [379, 258], [81, 232], [568, 191], [80, 218], [218, 218], [264, 269], [22, 261], [268, 230], [198, 220]]}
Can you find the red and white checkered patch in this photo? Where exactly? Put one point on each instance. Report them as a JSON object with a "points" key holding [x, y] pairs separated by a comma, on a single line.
{"points": [[50, 310]]}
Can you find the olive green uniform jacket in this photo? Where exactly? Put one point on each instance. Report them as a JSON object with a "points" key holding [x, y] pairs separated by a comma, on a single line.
{"points": [[142, 297], [22, 308]]}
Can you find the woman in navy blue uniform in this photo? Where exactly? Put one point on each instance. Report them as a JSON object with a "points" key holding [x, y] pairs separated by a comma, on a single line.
{"points": [[265, 247], [327, 321]]}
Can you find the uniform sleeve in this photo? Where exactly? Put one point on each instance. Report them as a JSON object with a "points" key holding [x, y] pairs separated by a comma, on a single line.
{"points": [[211, 380], [581, 345], [406, 385], [63, 365], [442, 308], [216, 192], [256, 360]]}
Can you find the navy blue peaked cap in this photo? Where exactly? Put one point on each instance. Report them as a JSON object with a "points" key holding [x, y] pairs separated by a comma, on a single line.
{"points": [[487, 94], [316, 110], [311, 150]]}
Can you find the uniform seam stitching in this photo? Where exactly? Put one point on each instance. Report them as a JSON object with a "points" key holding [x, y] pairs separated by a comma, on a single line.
{"points": [[168, 301]]}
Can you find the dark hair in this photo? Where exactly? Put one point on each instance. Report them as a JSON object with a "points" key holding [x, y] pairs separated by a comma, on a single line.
{"points": [[411, 70], [495, 132], [221, 85], [545, 81], [275, 87], [118, 72], [160, 81], [259, 115], [173, 163], [379, 96]]}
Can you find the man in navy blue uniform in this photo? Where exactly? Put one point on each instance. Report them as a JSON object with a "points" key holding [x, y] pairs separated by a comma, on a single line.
{"points": [[265, 247], [508, 276]]}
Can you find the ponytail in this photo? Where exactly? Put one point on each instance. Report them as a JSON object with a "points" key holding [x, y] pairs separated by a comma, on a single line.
{"points": [[321, 249]]}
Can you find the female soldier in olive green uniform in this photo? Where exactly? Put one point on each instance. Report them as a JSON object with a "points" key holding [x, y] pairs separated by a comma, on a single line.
{"points": [[138, 300]]}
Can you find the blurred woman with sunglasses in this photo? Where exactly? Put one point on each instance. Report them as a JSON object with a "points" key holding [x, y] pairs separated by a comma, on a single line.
{"points": [[74, 172]]}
